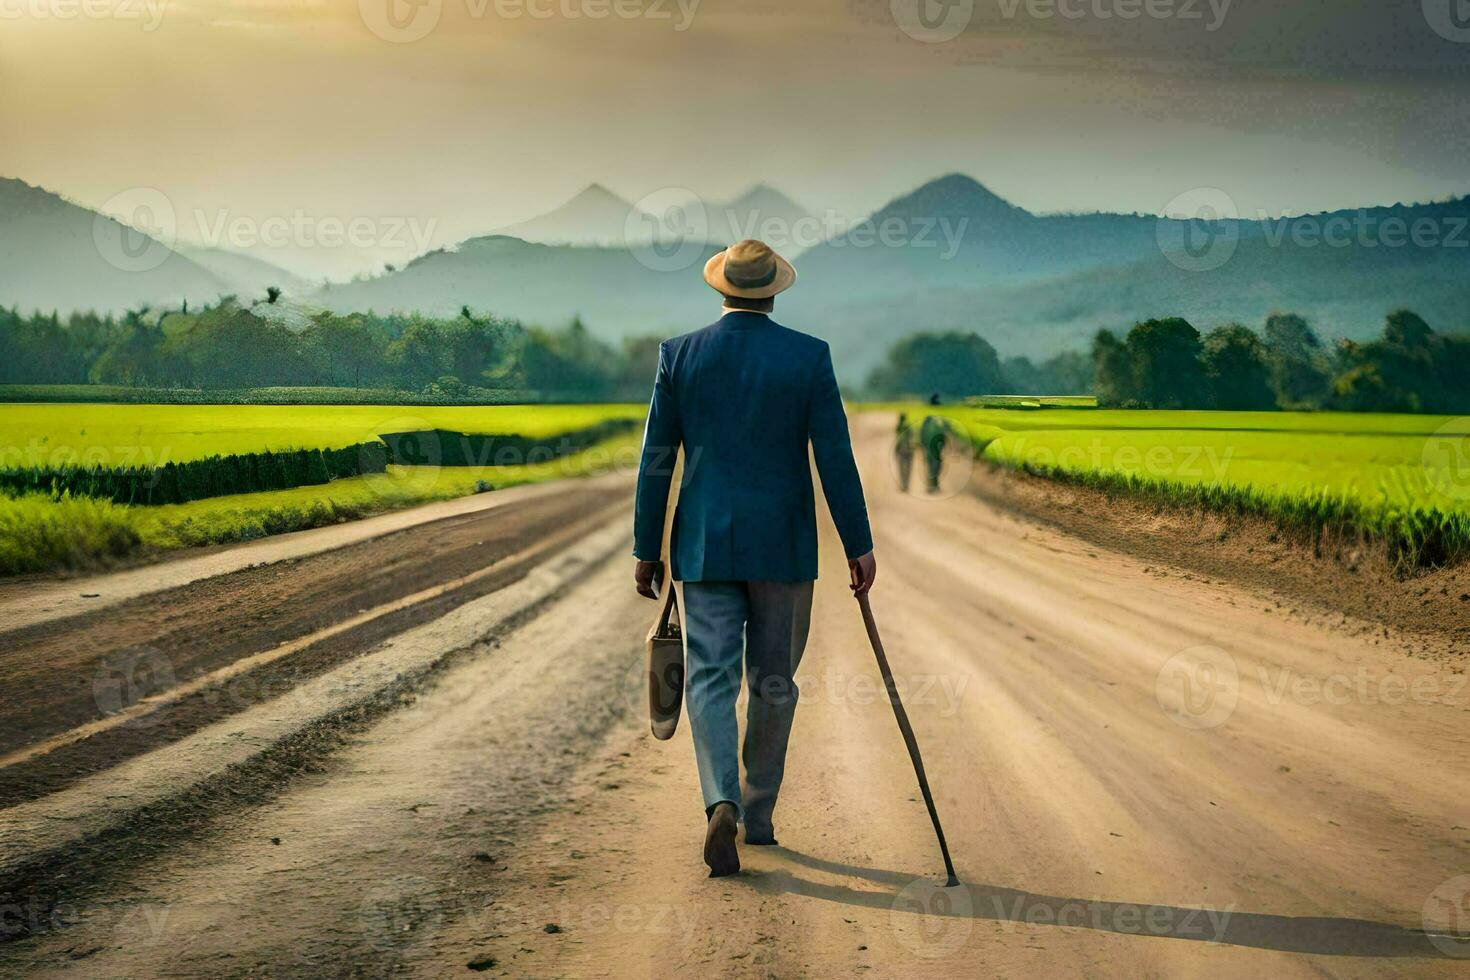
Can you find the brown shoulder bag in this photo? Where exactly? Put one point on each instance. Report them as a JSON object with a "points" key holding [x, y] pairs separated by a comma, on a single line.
{"points": [[666, 669]]}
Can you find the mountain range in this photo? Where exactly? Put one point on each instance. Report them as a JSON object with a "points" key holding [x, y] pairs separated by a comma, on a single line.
{"points": [[951, 255], [598, 217], [56, 255]]}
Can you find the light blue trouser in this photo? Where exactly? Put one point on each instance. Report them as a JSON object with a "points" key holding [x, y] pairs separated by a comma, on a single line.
{"points": [[768, 623]]}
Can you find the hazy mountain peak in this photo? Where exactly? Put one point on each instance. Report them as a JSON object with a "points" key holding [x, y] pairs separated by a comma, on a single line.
{"points": [[593, 216], [760, 212], [18, 198], [764, 196], [596, 194], [58, 255], [951, 194]]}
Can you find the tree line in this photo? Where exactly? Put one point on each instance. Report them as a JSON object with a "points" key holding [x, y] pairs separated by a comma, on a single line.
{"points": [[1167, 363], [1160, 363], [958, 364], [233, 346]]}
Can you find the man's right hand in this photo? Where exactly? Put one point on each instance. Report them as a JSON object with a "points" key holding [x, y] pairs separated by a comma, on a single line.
{"points": [[646, 577], [863, 570]]}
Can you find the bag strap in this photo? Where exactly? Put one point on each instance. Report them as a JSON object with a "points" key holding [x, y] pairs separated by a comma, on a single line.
{"points": [[670, 608]]}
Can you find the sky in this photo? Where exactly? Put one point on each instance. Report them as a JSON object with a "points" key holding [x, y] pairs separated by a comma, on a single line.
{"points": [[331, 136]]}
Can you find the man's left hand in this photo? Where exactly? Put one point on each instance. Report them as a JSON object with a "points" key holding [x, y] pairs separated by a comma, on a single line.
{"points": [[646, 576]]}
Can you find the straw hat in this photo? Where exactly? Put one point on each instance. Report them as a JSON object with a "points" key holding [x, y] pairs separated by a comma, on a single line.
{"points": [[750, 270]]}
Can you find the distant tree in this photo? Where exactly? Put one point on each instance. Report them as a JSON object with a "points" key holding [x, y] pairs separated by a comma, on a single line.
{"points": [[228, 346], [138, 355], [1409, 369], [1407, 330], [640, 363], [1113, 372], [1235, 363], [1361, 388], [1167, 364], [475, 346], [570, 363], [1452, 372], [1067, 373], [272, 293], [345, 350], [39, 348], [954, 365], [419, 355], [1296, 362], [1022, 376]]}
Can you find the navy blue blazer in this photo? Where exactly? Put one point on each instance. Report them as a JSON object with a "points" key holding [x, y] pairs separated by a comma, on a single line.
{"points": [[743, 397]]}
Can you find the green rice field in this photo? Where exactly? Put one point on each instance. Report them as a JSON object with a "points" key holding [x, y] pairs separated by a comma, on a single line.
{"points": [[39, 532], [1405, 478], [152, 435]]}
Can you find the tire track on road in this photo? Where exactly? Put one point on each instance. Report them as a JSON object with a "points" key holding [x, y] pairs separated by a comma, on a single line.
{"points": [[475, 555]]}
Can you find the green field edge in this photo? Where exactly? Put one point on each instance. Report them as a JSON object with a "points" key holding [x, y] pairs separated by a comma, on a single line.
{"points": [[40, 534], [1414, 536], [86, 394]]}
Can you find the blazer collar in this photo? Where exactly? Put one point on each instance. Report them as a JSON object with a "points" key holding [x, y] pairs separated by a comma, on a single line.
{"points": [[744, 318]]}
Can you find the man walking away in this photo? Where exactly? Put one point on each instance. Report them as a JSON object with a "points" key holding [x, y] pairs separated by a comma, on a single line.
{"points": [[933, 434], [904, 443], [744, 397]]}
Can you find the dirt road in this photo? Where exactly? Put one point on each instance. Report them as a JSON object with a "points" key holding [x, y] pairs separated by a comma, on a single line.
{"points": [[1139, 776]]}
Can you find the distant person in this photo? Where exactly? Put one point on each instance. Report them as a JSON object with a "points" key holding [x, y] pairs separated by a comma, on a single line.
{"points": [[933, 435], [743, 397], [904, 443], [934, 398]]}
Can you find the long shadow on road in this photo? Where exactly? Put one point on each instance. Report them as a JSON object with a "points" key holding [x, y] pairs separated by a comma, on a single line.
{"points": [[904, 894]]}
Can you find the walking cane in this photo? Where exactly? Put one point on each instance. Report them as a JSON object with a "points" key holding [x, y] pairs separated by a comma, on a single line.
{"points": [[908, 733]]}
